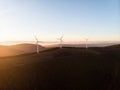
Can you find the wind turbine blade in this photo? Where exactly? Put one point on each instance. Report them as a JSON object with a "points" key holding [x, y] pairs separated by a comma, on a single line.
{"points": [[62, 37], [36, 38]]}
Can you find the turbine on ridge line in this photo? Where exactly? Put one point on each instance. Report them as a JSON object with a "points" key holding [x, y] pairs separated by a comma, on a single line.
{"points": [[86, 43], [37, 45], [61, 41]]}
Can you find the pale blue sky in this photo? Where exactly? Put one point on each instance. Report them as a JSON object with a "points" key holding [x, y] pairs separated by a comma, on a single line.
{"points": [[98, 20]]}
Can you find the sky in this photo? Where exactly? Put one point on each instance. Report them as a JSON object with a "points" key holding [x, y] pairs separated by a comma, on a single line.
{"points": [[22, 20]]}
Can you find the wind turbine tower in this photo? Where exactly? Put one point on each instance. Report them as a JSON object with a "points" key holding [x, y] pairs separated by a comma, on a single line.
{"points": [[86, 43], [61, 41], [37, 45]]}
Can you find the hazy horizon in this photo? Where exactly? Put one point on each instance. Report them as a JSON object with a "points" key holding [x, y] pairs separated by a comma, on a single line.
{"points": [[74, 43]]}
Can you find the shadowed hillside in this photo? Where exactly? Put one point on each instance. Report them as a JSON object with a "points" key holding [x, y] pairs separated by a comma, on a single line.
{"points": [[18, 49], [62, 69], [114, 46]]}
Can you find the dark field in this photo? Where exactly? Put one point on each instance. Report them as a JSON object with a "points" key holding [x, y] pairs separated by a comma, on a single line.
{"points": [[63, 69]]}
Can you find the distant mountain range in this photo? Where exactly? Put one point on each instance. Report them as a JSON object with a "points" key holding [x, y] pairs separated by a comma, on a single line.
{"points": [[18, 49]]}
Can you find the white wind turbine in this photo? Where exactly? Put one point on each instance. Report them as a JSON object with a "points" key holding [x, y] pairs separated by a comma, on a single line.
{"points": [[86, 43], [61, 41], [37, 45]]}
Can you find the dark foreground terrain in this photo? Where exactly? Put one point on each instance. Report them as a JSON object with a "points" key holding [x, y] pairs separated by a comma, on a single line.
{"points": [[63, 69]]}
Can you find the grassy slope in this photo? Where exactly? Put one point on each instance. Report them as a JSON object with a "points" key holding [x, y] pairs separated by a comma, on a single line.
{"points": [[18, 49], [62, 69]]}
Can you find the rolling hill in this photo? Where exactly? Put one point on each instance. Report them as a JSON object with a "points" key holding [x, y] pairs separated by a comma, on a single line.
{"points": [[62, 69], [18, 49]]}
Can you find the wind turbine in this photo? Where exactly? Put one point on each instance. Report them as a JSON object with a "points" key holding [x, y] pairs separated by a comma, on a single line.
{"points": [[86, 43], [37, 45], [61, 41]]}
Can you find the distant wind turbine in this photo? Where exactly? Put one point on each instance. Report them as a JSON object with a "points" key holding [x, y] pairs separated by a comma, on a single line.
{"points": [[61, 41], [37, 45], [86, 43]]}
